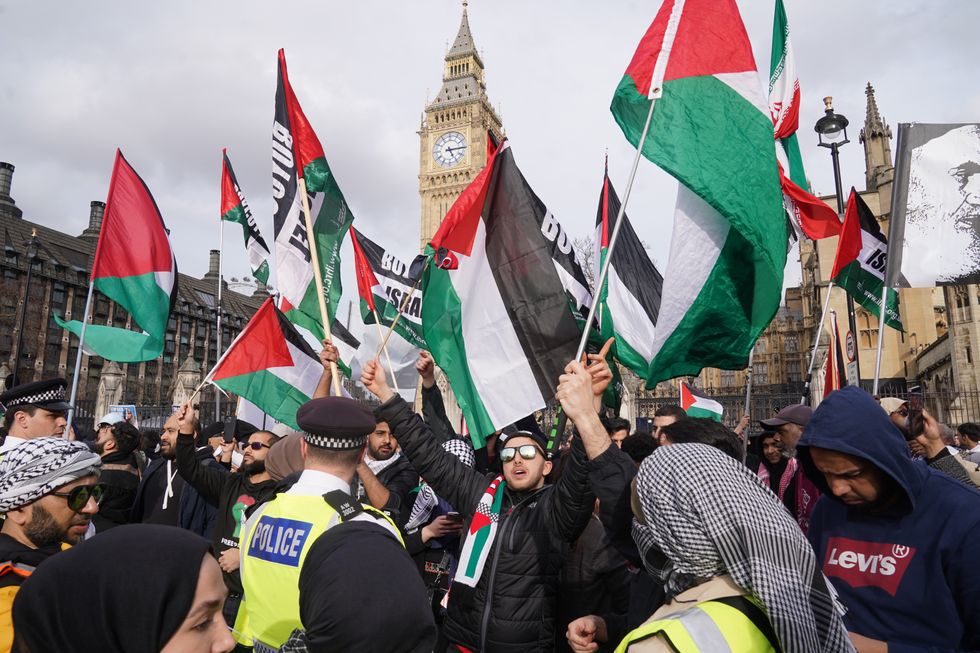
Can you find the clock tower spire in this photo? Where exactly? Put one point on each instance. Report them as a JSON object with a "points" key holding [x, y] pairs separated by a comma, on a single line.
{"points": [[452, 138]]}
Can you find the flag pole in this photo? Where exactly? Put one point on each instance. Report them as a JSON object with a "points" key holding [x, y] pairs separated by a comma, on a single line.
{"points": [[748, 404], [318, 278], [78, 356], [384, 347], [881, 335], [221, 263], [401, 309], [816, 343], [615, 232]]}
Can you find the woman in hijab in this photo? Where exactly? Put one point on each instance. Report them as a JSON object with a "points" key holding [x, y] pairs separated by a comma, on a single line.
{"points": [[139, 588], [717, 539]]}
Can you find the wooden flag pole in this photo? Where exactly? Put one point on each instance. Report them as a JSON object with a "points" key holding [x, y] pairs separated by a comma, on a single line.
{"points": [[384, 347], [318, 279], [816, 343]]}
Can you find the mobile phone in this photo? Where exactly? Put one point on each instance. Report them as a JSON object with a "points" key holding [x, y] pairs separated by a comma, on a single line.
{"points": [[454, 517], [914, 420], [228, 435]]}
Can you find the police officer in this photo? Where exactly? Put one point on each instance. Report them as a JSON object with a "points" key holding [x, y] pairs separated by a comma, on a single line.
{"points": [[278, 536], [33, 410]]}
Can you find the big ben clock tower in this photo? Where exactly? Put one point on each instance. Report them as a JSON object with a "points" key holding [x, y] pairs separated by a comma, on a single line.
{"points": [[452, 138]]}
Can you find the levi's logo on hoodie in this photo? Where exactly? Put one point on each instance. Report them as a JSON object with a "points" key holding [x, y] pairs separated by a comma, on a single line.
{"points": [[867, 564]]}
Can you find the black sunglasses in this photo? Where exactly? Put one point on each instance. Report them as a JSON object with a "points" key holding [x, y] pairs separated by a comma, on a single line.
{"points": [[527, 451], [78, 497], [257, 446]]}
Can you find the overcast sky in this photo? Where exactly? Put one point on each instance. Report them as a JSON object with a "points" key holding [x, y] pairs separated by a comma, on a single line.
{"points": [[171, 83]]}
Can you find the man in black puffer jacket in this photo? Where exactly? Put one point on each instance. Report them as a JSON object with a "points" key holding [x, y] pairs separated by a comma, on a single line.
{"points": [[506, 601]]}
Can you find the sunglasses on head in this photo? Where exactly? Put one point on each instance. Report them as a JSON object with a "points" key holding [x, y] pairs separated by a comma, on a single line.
{"points": [[527, 452], [257, 446], [78, 497]]}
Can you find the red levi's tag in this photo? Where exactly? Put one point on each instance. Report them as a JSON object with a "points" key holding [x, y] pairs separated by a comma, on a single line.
{"points": [[867, 564]]}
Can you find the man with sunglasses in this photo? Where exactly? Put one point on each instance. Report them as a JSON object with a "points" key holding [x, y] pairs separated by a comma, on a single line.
{"points": [[48, 495], [233, 493], [115, 444], [33, 410], [504, 593]]}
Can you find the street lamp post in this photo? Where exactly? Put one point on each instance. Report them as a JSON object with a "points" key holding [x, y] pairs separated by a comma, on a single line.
{"points": [[831, 131], [31, 256]]}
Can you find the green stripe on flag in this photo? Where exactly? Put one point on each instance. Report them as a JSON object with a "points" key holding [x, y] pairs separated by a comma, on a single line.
{"points": [[275, 396], [147, 302], [865, 288], [695, 411]]}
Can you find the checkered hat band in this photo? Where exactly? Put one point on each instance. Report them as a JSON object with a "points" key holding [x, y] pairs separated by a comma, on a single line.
{"points": [[54, 394], [337, 444]]}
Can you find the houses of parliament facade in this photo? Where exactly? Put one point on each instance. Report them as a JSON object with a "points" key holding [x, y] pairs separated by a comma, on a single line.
{"points": [[936, 352]]}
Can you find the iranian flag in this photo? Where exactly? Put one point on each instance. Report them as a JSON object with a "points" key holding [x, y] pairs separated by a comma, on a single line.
{"points": [[234, 208], [297, 154], [494, 311], [269, 364], [133, 266], [809, 215], [711, 130], [697, 404], [835, 376], [859, 267], [629, 300]]}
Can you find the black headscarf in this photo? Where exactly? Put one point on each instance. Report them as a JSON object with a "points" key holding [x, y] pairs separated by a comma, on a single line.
{"points": [[127, 590], [338, 587]]}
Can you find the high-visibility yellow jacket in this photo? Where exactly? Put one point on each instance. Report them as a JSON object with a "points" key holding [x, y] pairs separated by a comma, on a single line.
{"points": [[727, 622]]}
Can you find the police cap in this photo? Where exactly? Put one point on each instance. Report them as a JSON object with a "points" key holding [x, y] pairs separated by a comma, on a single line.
{"points": [[49, 395], [336, 423]]}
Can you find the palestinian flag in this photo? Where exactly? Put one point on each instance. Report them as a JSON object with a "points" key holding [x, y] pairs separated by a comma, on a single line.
{"points": [[629, 300], [235, 209], [135, 267], [836, 374], [347, 345], [499, 324], [724, 277], [297, 153], [859, 267], [271, 365], [809, 215], [383, 284], [697, 404]]}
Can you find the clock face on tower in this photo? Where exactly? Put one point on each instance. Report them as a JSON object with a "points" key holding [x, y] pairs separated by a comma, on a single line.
{"points": [[449, 149]]}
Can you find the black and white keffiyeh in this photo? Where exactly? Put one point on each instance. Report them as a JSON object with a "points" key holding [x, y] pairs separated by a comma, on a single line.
{"points": [[35, 468], [427, 500], [708, 515]]}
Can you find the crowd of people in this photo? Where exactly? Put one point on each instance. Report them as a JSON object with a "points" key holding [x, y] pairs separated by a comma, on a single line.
{"points": [[380, 528]]}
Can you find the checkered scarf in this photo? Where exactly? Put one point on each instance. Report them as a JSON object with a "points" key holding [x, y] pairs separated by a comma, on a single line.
{"points": [[480, 534], [427, 499], [708, 515], [41, 465]]}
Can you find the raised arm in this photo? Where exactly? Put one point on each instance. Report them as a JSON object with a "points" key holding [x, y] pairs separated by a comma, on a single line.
{"points": [[207, 480], [327, 355], [433, 408]]}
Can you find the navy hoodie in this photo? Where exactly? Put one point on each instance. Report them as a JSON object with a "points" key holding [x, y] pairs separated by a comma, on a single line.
{"points": [[911, 578]]}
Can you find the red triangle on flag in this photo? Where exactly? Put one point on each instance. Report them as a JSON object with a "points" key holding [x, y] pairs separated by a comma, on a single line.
{"points": [[687, 398], [260, 346], [710, 40]]}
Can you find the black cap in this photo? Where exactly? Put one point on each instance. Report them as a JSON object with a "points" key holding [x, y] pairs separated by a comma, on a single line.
{"points": [[336, 423], [49, 395], [798, 414], [537, 437]]}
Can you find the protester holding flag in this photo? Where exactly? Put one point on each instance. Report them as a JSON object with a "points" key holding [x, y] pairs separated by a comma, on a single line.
{"points": [[504, 591]]}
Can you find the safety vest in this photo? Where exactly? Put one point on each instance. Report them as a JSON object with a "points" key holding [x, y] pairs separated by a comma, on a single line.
{"points": [[734, 624], [273, 548]]}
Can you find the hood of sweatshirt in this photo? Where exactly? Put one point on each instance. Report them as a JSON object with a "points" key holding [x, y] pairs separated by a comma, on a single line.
{"points": [[851, 421]]}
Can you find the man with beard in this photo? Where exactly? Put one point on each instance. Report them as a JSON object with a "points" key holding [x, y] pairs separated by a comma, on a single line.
{"points": [[48, 495], [115, 444], [385, 477], [233, 493], [165, 498]]}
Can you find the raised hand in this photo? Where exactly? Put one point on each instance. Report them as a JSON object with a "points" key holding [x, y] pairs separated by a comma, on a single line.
{"points": [[328, 354], [426, 368], [373, 378]]}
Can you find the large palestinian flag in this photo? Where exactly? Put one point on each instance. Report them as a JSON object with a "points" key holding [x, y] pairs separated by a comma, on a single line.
{"points": [[296, 154], [859, 267], [135, 267], [724, 277], [271, 365], [630, 296], [494, 312], [234, 208]]}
